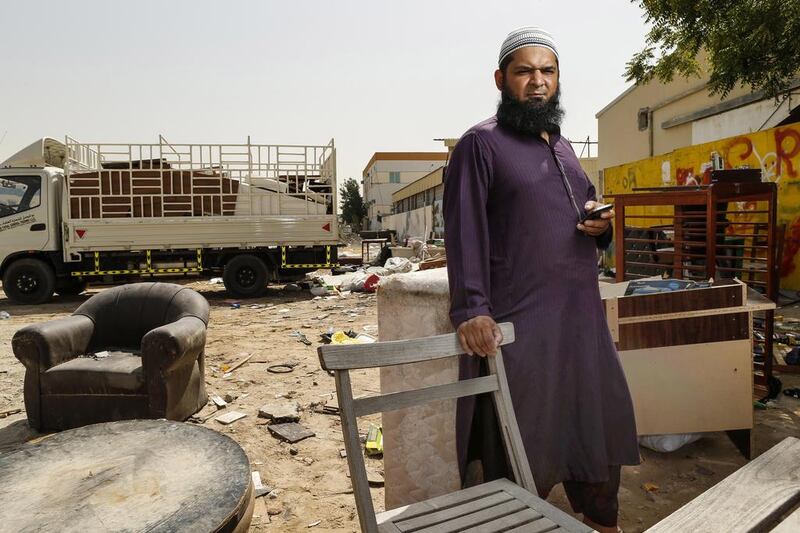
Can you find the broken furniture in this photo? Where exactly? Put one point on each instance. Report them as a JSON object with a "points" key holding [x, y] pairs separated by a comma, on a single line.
{"points": [[499, 505], [687, 355], [136, 476], [132, 351], [755, 498], [725, 229], [366, 245]]}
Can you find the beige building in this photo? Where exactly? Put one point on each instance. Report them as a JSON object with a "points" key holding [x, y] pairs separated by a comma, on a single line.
{"points": [[388, 172], [657, 118], [417, 207]]}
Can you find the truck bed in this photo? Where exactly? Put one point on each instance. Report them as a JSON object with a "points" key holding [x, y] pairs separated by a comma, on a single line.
{"points": [[122, 197]]}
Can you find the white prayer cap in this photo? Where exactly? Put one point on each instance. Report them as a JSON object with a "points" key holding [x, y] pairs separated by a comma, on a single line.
{"points": [[527, 36]]}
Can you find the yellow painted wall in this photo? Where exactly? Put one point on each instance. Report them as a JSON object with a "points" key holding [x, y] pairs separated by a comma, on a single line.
{"points": [[775, 151]]}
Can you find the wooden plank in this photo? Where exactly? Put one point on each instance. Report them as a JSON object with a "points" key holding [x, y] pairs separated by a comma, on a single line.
{"points": [[520, 518], [339, 357], [714, 392], [355, 459], [451, 513], [401, 400], [758, 302], [548, 510], [507, 420], [698, 330], [725, 293], [476, 518], [749, 500], [444, 501]]}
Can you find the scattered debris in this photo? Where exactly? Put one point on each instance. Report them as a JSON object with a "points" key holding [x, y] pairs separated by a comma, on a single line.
{"points": [[230, 418], [371, 283], [260, 488], [345, 337], [300, 337], [292, 287], [236, 306], [215, 281], [291, 432], [101, 355], [343, 453], [282, 368], [274, 493], [228, 369], [324, 409], [793, 392], [374, 442], [4, 315], [650, 487], [231, 396], [285, 412], [219, 402], [374, 478], [315, 523], [9, 412]]}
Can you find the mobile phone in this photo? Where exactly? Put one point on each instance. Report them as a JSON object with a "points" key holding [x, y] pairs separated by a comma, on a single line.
{"points": [[595, 213]]}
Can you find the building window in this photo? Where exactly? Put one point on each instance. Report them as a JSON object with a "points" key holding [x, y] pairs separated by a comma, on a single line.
{"points": [[394, 177], [643, 118]]}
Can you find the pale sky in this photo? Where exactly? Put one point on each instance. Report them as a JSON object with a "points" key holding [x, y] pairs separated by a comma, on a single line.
{"points": [[374, 75]]}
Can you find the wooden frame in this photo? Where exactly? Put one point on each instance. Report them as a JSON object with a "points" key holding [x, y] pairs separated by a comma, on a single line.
{"points": [[343, 358], [701, 216]]}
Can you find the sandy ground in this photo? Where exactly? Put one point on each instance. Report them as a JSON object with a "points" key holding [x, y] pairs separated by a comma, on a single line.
{"points": [[310, 477]]}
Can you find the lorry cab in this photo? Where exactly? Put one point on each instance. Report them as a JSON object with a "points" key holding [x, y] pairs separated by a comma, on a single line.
{"points": [[30, 187]]}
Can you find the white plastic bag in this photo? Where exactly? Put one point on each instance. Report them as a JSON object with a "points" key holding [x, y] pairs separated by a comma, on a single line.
{"points": [[668, 443]]}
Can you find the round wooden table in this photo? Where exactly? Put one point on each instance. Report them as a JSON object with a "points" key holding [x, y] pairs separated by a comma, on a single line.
{"points": [[134, 475]]}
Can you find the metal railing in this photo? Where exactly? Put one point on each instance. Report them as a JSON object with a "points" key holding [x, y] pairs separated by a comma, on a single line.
{"points": [[117, 180]]}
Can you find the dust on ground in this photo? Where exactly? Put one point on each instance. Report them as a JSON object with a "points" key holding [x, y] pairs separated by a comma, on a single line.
{"points": [[310, 477]]}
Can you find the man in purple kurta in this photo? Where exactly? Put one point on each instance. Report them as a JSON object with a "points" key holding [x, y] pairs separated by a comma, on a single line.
{"points": [[516, 252]]}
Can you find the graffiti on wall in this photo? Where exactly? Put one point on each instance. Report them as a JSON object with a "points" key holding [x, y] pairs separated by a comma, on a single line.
{"points": [[775, 151]]}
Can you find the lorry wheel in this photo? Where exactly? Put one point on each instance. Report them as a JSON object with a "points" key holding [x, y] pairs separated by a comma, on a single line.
{"points": [[70, 286], [245, 276], [29, 281]]}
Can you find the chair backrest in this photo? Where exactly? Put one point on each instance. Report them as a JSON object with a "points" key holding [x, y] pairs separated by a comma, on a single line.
{"points": [[124, 314], [342, 358]]}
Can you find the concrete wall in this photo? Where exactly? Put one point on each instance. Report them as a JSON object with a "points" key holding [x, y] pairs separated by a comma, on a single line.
{"points": [[775, 151], [418, 223]]}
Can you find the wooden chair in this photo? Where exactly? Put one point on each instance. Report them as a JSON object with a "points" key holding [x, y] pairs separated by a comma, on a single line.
{"points": [[495, 506]]}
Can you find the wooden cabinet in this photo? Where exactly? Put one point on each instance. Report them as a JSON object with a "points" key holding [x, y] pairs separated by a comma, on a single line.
{"points": [[687, 356]]}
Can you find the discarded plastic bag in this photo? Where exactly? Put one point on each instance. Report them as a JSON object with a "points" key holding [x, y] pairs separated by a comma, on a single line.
{"points": [[668, 443], [371, 283], [398, 265]]}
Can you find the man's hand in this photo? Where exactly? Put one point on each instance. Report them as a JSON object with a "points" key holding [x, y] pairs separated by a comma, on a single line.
{"points": [[596, 227], [480, 335]]}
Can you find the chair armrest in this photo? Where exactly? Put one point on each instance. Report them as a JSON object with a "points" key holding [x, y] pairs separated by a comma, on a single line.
{"points": [[45, 345], [173, 345]]}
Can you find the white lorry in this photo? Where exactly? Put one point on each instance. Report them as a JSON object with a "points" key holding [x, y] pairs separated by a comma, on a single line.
{"points": [[72, 213]]}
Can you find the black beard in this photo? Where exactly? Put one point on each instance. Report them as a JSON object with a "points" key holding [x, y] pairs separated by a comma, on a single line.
{"points": [[530, 117]]}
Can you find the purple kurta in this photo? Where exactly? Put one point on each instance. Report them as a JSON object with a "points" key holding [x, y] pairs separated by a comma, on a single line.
{"points": [[513, 253]]}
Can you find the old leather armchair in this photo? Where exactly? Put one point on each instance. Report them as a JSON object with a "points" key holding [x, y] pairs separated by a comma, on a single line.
{"points": [[133, 351]]}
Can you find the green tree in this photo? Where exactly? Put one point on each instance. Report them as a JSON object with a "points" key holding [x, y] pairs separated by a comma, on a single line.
{"points": [[354, 210], [748, 42]]}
